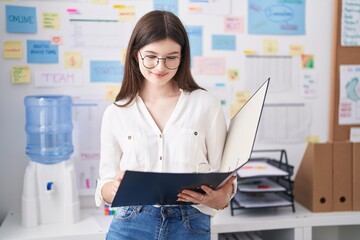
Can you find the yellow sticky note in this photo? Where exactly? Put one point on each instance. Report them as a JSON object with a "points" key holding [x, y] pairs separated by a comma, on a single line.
{"points": [[123, 55], [241, 97], [296, 49], [13, 50], [126, 14], [20, 74], [118, 6], [270, 47], [313, 139], [249, 51], [51, 21], [233, 74], [100, 1], [234, 108], [73, 60], [111, 91]]}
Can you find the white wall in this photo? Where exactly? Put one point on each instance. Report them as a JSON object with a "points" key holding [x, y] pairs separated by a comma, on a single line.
{"points": [[317, 41]]}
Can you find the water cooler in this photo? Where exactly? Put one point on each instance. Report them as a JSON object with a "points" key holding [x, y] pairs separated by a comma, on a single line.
{"points": [[50, 194]]}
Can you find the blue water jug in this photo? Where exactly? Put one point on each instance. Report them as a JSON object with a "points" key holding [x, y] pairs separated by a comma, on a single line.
{"points": [[48, 128]]}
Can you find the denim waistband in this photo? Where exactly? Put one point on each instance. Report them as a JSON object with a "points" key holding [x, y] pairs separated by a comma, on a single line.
{"points": [[178, 212]]}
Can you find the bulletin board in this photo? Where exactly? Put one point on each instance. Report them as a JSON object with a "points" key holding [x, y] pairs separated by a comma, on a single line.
{"points": [[346, 52]]}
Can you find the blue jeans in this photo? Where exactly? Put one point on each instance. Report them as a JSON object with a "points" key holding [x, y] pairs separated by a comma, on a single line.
{"points": [[160, 223]]}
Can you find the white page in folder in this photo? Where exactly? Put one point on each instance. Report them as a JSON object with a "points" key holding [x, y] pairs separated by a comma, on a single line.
{"points": [[242, 130]]}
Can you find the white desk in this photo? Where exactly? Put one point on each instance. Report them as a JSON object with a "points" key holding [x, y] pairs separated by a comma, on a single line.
{"points": [[86, 229], [276, 223], [282, 223]]}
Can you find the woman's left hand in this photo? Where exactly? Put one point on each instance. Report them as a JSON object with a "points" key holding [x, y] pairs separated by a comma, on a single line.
{"points": [[217, 199]]}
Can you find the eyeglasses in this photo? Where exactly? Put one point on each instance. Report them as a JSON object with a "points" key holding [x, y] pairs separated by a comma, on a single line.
{"points": [[151, 61]]}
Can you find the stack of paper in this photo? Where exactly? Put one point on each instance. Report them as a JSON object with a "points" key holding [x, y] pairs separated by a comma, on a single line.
{"points": [[259, 185], [260, 169], [255, 200]]}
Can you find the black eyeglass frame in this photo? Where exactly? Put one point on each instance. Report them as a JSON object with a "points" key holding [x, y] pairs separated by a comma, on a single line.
{"points": [[158, 61]]}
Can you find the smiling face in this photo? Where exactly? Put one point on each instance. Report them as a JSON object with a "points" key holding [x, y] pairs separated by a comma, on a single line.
{"points": [[159, 75]]}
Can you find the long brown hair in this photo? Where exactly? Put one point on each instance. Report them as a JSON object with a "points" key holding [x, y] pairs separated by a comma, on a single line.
{"points": [[155, 26]]}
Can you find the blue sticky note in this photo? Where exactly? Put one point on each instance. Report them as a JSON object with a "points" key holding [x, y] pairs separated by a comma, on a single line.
{"points": [[195, 35], [40, 51], [224, 42], [106, 71], [167, 5], [276, 17], [21, 19]]}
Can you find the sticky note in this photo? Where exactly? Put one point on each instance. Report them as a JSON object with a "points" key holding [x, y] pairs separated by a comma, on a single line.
{"points": [[233, 74], [195, 34], [21, 19], [355, 134], [51, 21], [41, 52], [20, 74], [307, 61], [234, 24], [270, 47], [13, 50], [72, 10], [296, 49], [106, 71], [224, 42], [234, 108], [56, 40], [123, 55], [249, 51], [209, 65], [126, 14], [73, 60], [111, 91], [312, 139], [100, 1]]}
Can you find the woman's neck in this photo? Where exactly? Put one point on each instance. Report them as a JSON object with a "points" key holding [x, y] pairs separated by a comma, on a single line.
{"points": [[150, 92]]}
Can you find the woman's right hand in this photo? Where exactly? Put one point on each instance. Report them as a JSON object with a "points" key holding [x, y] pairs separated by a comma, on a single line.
{"points": [[109, 189]]}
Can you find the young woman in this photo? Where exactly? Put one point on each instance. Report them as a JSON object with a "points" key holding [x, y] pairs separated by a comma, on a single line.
{"points": [[162, 121]]}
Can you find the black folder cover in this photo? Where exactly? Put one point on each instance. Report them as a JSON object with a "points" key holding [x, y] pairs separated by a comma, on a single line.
{"points": [[150, 188]]}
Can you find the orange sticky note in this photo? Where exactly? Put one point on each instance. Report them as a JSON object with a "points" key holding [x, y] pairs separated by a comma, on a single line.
{"points": [[296, 50], [307, 61]]}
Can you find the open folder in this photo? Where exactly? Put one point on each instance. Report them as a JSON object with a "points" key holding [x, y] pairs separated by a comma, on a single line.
{"points": [[153, 188]]}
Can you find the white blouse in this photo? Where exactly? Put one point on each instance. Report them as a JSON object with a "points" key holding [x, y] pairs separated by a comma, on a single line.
{"points": [[192, 140]]}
